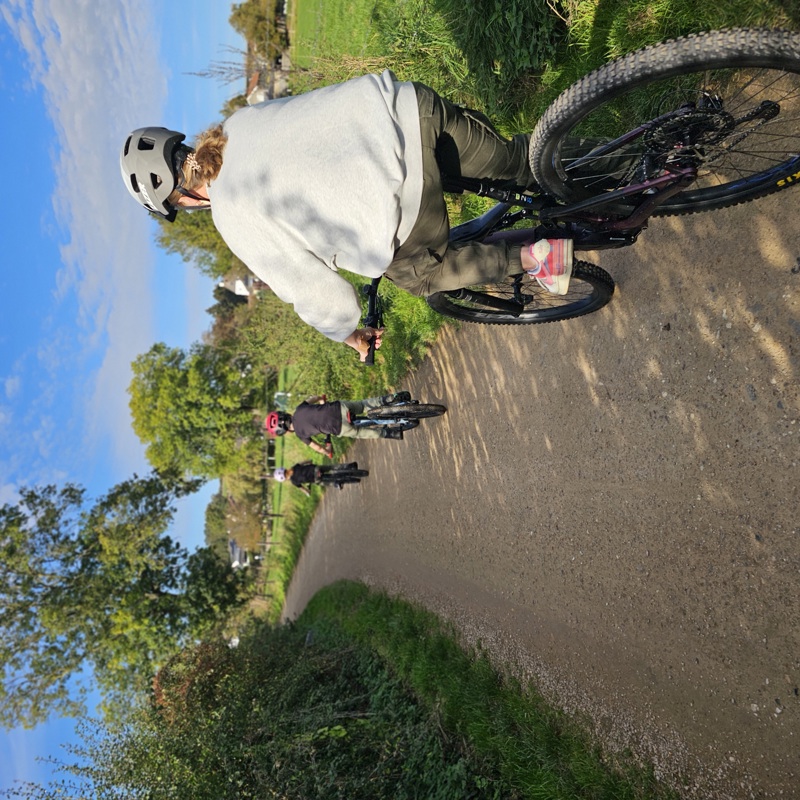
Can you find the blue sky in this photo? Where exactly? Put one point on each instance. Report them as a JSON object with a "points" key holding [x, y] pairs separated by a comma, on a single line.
{"points": [[83, 288]]}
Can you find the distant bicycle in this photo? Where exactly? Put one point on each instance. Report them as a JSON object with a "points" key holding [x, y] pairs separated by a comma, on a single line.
{"points": [[341, 474]]}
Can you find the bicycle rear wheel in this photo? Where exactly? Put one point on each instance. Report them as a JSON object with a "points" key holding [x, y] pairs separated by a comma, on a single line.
{"points": [[519, 300], [409, 411], [726, 103]]}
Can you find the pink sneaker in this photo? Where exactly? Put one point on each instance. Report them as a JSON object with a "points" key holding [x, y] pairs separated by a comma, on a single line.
{"points": [[553, 259]]}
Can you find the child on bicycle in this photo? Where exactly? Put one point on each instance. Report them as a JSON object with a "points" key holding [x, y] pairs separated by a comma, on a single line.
{"points": [[348, 176], [317, 416], [306, 472]]}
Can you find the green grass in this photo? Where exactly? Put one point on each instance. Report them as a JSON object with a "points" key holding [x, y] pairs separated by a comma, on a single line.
{"points": [[536, 750], [602, 31], [337, 26], [510, 64]]}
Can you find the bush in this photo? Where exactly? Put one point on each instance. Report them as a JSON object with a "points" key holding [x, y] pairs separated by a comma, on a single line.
{"points": [[285, 714]]}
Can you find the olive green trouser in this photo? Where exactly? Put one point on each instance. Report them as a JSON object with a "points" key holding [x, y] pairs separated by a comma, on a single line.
{"points": [[357, 407], [457, 142]]}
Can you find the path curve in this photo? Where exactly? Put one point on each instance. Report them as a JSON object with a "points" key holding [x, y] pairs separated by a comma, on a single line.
{"points": [[610, 504]]}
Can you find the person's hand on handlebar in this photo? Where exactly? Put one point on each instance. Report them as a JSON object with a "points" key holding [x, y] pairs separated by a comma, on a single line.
{"points": [[360, 338], [323, 449]]}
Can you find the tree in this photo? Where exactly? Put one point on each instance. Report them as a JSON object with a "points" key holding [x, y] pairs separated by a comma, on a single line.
{"points": [[232, 105], [278, 716], [257, 21], [216, 524], [189, 408], [227, 302], [99, 587], [195, 239]]}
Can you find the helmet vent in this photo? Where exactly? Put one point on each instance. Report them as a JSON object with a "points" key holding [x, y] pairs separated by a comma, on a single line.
{"points": [[146, 144]]}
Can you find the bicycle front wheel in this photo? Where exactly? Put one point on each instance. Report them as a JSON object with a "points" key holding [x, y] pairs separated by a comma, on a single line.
{"points": [[723, 103], [407, 411], [519, 300], [355, 473]]}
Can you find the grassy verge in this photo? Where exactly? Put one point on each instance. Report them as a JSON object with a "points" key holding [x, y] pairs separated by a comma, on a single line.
{"points": [[535, 750], [511, 65]]}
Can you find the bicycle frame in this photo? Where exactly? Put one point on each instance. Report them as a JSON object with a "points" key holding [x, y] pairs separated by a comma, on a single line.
{"points": [[589, 231], [361, 421]]}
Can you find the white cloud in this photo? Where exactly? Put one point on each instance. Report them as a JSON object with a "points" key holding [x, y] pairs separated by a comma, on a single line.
{"points": [[99, 66], [8, 494], [12, 386]]}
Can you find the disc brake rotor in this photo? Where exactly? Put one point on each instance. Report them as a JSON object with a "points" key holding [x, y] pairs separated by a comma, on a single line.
{"points": [[689, 131]]}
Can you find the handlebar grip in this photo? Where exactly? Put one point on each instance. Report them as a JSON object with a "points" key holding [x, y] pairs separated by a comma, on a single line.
{"points": [[370, 359]]}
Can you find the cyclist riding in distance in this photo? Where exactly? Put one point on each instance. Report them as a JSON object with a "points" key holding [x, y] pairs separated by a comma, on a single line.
{"points": [[306, 472], [348, 176], [316, 416]]}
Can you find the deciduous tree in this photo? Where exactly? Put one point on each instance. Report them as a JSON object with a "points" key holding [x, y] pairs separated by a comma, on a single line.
{"points": [[189, 408], [101, 587]]}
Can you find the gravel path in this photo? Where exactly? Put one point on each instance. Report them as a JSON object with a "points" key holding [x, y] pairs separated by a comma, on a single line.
{"points": [[610, 505]]}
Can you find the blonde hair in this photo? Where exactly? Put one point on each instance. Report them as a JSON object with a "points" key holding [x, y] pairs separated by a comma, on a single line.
{"points": [[206, 163]]}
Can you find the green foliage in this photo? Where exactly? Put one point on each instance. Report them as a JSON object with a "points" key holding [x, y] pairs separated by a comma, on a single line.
{"points": [[257, 21], [216, 527], [232, 105], [600, 32], [603, 31], [282, 715], [101, 587], [192, 409], [365, 697], [194, 238], [251, 19], [537, 750], [227, 302], [485, 53], [272, 334]]}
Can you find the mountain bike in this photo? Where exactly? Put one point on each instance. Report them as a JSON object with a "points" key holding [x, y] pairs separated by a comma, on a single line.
{"points": [[399, 416], [693, 124]]}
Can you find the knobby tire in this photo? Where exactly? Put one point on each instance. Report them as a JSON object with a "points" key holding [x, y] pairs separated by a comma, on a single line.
{"points": [[409, 411], [590, 289], [726, 75]]}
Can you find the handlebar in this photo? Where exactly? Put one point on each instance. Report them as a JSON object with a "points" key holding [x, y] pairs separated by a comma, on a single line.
{"points": [[370, 359], [374, 315]]}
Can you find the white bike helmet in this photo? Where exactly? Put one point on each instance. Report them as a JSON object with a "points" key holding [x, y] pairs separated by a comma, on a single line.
{"points": [[150, 161], [279, 474]]}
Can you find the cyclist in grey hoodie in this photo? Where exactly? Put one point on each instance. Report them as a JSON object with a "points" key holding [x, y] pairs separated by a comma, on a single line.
{"points": [[344, 177]]}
